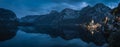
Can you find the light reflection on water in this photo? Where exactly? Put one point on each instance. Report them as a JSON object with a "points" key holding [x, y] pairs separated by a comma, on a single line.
{"points": [[23, 39]]}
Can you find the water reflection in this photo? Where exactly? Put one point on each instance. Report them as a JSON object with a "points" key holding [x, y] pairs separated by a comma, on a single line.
{"points": [[6, 34], [23, 39], [67, 32], [50, 36]]}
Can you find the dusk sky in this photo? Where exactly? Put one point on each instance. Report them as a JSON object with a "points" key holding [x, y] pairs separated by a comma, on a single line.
{"points": [[38, 7]]}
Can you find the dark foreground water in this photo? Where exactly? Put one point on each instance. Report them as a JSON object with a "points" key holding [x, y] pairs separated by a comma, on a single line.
{"points": [[23, 39]]}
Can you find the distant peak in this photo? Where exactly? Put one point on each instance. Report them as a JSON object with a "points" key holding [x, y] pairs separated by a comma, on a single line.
{"points": [[53, 11], [3, 9], [100, 5], [67, 9], [119, 5], [87, 7]]}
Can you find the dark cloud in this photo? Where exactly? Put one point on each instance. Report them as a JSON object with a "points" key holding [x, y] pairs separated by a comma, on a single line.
{"points": [[88, 1], [28, 7]]}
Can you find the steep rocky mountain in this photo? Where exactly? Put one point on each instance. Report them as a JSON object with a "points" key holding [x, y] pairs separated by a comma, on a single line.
{"points": [[8, 24], [53, 17], [114, 39], [97, 13], [68, 13], [67, 16]]}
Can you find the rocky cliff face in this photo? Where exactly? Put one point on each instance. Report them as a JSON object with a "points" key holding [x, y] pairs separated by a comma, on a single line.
{"points": [[8, 24], [97, 13], [114, 39], [67, 16]]}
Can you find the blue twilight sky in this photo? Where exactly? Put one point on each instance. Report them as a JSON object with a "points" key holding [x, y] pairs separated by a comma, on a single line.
{"points": [[33, 7]]}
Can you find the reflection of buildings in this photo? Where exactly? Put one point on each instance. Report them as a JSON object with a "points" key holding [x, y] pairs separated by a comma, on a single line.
{"points": [[92, 27], [106, 20]]}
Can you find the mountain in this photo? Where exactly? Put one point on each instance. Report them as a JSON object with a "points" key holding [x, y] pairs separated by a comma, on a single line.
{"points": [[68, 13], [42, 19], [70, 16], [8, 24], [114, 39], [97, 13], [66, 23], [116, 11], [53, 17]]}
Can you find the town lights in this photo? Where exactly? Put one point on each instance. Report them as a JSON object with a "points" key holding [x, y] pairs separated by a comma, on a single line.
{"points": [[92, 27]]}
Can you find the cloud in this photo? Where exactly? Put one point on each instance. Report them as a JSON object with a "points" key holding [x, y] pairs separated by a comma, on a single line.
{"points": [[37, 7], [23, 39], [88, 1]]}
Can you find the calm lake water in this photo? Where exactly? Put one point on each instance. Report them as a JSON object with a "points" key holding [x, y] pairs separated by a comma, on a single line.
{"points": [[23, 39]]}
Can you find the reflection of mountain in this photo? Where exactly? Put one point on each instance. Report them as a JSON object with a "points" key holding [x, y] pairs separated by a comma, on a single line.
{"points": [[23, 39], [66, 23], [8, 24]]}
